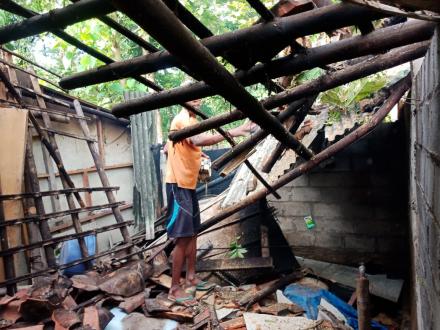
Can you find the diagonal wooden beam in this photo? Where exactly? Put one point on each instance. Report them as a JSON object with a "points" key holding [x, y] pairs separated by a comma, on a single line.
{"points": [[159, 21], [55, 19], [333, 79], [261, 9]]}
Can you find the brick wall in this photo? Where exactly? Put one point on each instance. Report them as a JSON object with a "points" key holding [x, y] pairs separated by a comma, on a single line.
{"points": [[358, 201], [425, 189]]}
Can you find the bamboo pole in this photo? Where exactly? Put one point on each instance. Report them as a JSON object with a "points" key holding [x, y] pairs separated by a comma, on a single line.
{"points": [[279, 33]]}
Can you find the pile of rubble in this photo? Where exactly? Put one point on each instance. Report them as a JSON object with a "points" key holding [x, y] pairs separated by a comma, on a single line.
{"points": [[134, 296]]}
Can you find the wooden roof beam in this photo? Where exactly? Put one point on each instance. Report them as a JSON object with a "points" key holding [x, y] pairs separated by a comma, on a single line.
{"points": [[159, 21], [249, 40], [379, 63], [55, 19], [373, 43]]}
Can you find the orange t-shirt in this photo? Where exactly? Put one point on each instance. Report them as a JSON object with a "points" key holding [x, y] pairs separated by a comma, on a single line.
{"points": [[183, 163]]}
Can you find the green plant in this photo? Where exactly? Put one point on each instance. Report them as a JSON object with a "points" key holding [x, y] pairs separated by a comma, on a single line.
{"points": [[236, 249]]}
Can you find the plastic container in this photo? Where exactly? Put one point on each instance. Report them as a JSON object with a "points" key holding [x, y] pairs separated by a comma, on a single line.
{"points": [[70, 252]]}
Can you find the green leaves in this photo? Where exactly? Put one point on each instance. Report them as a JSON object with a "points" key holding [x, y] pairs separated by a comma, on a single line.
{"points": [[345, 97], [236, 250]]}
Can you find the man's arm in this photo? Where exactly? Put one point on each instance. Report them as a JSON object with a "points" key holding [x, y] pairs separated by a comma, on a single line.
{"points": [[204, 139]]}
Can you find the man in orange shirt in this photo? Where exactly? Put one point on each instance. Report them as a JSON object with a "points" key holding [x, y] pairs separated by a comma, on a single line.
{"points": [[183, 222]]}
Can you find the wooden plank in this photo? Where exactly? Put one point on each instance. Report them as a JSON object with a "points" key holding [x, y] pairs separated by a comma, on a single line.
{"points": [[56, 192], [75, 211], [52, 182], [90, 218], [90, 169], [86, 184], [100, 134], [8, 271], [73, 136], [13, 132], [233, 264], [31, 171]]}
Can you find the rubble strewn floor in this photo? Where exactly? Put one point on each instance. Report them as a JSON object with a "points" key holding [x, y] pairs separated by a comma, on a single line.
{"points": [[135, 296]]}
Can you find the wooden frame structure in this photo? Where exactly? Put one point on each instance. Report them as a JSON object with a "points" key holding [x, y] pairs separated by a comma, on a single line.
{"points": [[174, 27]]}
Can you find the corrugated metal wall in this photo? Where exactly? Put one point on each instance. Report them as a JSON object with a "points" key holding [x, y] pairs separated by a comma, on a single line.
{"points": [[146, 190]]}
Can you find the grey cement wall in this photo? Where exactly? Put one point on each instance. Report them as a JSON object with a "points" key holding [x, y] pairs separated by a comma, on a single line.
{"points": [[358, 203], [425, 189]]}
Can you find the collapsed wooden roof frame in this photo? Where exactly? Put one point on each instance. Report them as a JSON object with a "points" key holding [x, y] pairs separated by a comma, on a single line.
{"points": [[158, 20]]}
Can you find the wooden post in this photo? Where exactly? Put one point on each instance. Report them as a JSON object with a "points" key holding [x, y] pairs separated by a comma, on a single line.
{"points": [[8, 268], [100, 135], [363, 300], [86, 184], [35, 186], [101, 172], [52, 183]]}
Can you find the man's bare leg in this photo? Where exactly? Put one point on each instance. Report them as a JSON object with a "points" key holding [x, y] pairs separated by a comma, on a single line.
{"points": [[191, 278], [179, 255]]}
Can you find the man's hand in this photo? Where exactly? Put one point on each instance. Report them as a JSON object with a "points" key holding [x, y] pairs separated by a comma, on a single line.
{"points": [[243, 130]]}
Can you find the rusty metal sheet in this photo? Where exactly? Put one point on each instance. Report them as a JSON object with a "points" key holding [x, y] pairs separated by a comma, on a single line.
{"points": [[91, 318], [64, 319]]}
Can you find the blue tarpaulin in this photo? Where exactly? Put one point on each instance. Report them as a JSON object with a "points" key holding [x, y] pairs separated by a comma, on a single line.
{"points": [[309, 299]]}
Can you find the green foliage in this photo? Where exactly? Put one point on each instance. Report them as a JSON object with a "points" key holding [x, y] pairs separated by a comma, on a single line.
{"points": [[236, 250], [346, 96]]}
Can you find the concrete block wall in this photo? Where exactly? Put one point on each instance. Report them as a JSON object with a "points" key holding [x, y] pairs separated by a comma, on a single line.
{"points": [[425, 188], [358, 202]]}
